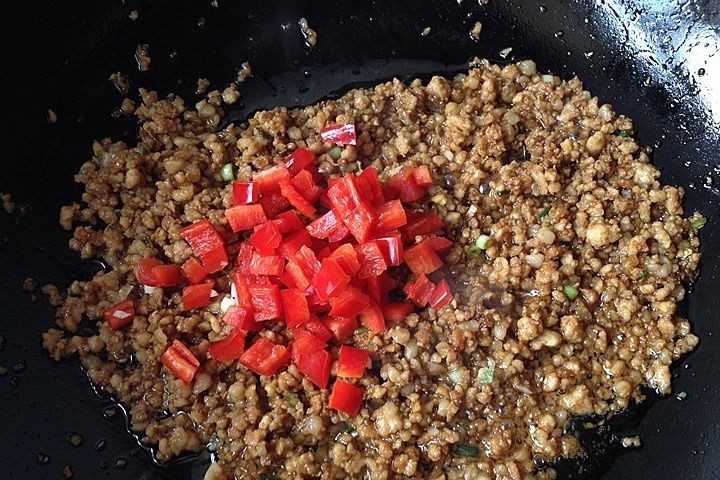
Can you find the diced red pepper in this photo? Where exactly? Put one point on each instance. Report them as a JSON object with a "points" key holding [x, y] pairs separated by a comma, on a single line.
{"points": [[372, 260], [397, 312], [369, 184], [244, 193], [143, 272], [377, 288], [241, 318], [352, 362], [343, 196], [307, 260], [330, 279], [339, 134], [244, 256], [268, 181], [341, 328], [240, 282], [419, 290], [181, 361], [391, 216], [304, 183], [288, 222], [404, 184], [422, 259], [296, 273], [392, 247], [166, 275], [422, 176], [324, 225], [266, 302], [207, 244], [346, 397], [193, 270], [422, 224], [318, 328], [306, 343], [300, 159], [372, 317], [349, 303], [266, 237], [197, 296], [295, 307], [290, 246], [245, 217], [120, 315], [439, 244], [274, 204], [346, 256], [442, 295], [229, 348], [316, 367], [339, 234], [296, 199], [361, 221], [271, 265], [265, 357]]}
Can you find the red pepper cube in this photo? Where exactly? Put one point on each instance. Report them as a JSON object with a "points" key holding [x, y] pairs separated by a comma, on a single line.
{"points": [[300, 159], [265, 357], [197, 296], [288, 222], [346, 397], [348, 303], [342, 328], [441, 296], [296, 273], [391, 216], [397, 312], [373, 318], [330, 279], [266, 237], [368, 184], [339, 134], [346, 256], [240, 283], [439, 244], [422, 259], [339, 234], [371, 258], [181, 362], [229, 348], [244, 193], [378, 289], [323, 226], [419, 290], [167, 275], [143, 272], [421, 224], [404, 184], [268, 181], [318, 328], [361, 221], [120, 315], [193, 270], [304, 183], [266, 302], [352, 362], [207, 244], [296, 199], [305, 343], [392, 247], [295, 307], [307, 260], [245, 217], [241, 318], [316, 367], [274, 204], [343, 196], [290, 246], [270, 265], [422, 176]]}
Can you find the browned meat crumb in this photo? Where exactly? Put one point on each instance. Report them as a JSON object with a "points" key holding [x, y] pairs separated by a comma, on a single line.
{"points": [[142, 57], [308, 33], [52, 116], [29, 284], [202, 85], [134, 15], [230, 95], [7, 202], [121, 82], [67, 472], [244, 73], [475, 31]]}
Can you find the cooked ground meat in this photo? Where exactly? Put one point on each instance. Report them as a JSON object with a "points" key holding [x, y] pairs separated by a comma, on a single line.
{"points": [[571, 208]]}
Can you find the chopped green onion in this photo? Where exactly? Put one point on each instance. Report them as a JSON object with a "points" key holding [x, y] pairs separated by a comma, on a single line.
{"points": [[265, 135], [622, 133], [503, 192], [570, 292], [465, 450], [292, 399], [544, 212], [485, 375], [456, 375], [227, 172], [482, 242], [644, 275], [473, 251], [346, 427], [698, 222], [362, 331], [335, 153]]}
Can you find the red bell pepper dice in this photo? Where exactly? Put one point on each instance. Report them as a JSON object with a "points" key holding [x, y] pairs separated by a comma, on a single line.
{"points": [[391, 216], [290, 246], [361, 221], [181, 362], [244, 256], [339, 134], [324, 225], [343, 196], [346, 256], [304, 183], [245, 217], [305, 343], [369, 183], [207, 244], [352, 362], [419, 290], [266, 302], [421, 224], [298, 276], [229, 348], [300, 159], [193, 270], [271, 265], [392, 247], [295, 307], [349, 302], [265, 357], [316, 367], [330, 279], [346, 397], [318, 328], [439, 244], [422, 259], [241, 318], [422, 176], [120, 315], [397, 312], [404, 184], [288, 222], [372, 317], [342, 328], [268, 181], [143, 272], [266, 237], [296, 199], [242, 292], [307, 260], [441, 296], [167, 275], [197, 296], [371, 258], [274, 204], [244, 193], [378, 289]]}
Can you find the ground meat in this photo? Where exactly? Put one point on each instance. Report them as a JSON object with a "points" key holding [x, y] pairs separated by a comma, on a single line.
{"points": [[568, 310]]}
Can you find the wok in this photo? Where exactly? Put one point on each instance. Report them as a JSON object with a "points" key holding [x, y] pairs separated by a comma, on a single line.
{"points": [[657, 61]]}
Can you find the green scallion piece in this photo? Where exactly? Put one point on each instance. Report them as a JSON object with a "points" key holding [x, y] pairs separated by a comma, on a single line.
{"points": [[570, 292], [227, 172], [292, 399], [486, 375], [544, 212], [346, 427], [362, 330], [335, 153], [265, 135], [465, 450], [698, 222], [644, 275], [482, 242], [473, 252], [622, 133], [503, 192]]}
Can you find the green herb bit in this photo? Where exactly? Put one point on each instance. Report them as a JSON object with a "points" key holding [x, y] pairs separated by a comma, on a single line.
{"points": [[503, 192], [362, 331], [465, 450], [473, 252], [570, 292], [265, 135], [544, 212], [644, 275], [622, 133], [698, 222], [486, 375], [482, 242], [292, 399], [335, 153], [227, 172], [346, 427]]}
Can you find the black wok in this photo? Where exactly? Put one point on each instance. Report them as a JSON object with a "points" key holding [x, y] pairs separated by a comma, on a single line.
{"points": [[658, 62]]}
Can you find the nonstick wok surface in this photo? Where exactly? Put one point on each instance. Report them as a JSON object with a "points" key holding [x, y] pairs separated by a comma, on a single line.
{"points": [[658, 62]]}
